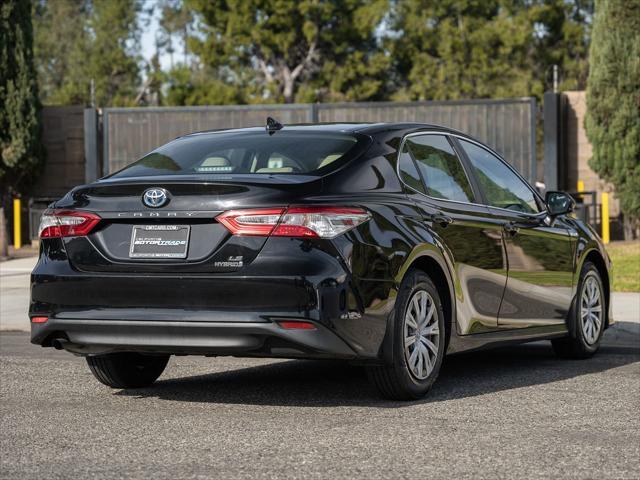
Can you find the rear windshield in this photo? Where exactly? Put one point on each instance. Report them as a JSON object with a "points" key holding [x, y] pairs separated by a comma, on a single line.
{"points": [[245, 153]]}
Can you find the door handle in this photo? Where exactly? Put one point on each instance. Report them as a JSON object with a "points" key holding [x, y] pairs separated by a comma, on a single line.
{"points": [[511, 228], [442, 220]]}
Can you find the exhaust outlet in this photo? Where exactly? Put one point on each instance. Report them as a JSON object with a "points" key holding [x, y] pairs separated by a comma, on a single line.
{"points": [[58, 343]]}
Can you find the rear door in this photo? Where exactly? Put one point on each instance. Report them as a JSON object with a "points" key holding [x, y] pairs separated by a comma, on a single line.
{"points": [[430, 166], [540, 255]]}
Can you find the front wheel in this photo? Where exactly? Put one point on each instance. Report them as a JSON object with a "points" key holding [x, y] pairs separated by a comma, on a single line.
{"points": [[127, 369], [590, 310], [418, 341]]}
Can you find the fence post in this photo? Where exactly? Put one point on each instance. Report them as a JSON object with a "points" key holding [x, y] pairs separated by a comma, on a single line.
{"points": [[105, 141], [313, 113], [91, 158], [551, 132], [4, 241], [533, 167]]}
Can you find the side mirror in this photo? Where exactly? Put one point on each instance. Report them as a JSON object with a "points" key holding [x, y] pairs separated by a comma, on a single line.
{"points": [[559, 203]]}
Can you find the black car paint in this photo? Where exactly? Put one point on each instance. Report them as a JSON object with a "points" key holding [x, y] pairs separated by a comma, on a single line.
{"points": [[97, 300]]}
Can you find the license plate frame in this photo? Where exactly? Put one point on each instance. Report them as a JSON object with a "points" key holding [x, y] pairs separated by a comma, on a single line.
{"points": [[152, 243]]}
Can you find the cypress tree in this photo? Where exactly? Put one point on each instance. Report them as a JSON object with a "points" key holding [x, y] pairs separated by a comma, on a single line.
{"points": [[20, 145], [613, 101]]}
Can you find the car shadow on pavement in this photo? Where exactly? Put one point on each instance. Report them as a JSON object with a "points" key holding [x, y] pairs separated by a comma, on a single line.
{"points": [[307, 383]]}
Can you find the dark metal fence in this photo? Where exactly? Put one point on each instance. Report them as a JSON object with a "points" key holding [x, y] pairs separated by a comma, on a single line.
{"points": [[507, 125]]}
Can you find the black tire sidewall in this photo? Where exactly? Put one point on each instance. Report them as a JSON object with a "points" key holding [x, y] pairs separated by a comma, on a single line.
{"points": [[413, 282], [127, 369]]}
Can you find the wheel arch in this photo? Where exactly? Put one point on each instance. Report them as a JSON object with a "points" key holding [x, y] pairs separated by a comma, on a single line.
{"points": [[429, 259], [436, 273]]}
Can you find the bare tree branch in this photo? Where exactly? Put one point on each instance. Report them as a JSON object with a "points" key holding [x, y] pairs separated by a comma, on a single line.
{"points": [[307, 59], [265, 70]]}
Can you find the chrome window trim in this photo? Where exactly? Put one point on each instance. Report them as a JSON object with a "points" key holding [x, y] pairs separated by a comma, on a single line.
{"points": [[462, 137]]}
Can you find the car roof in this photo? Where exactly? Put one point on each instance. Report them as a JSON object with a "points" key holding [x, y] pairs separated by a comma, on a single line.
{"points": [[341, 127]]}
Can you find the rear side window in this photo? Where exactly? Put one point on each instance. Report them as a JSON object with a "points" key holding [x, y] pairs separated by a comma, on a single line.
{"points": [[245, 153], [409, 171], [441, 170], [500, 185]]}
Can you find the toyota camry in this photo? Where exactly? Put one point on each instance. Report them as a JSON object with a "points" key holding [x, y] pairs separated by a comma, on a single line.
{"points": [[387, 245]]}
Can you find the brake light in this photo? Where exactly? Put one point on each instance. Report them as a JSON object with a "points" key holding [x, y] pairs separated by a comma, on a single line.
{"points": [[39, 319], [66, 223], [318, 222]]}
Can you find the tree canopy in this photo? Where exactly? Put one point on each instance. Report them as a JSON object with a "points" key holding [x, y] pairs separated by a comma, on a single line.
{"points": [[289, 50], [613, 100], [77, 41], [257, 51], [454, 49], [19, 107]]}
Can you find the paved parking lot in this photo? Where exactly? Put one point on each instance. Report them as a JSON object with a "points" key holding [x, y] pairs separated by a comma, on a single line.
{"points": [[513, 412]]}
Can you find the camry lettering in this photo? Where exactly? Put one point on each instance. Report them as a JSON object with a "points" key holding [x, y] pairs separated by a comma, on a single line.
{"points": [[155, 214]]}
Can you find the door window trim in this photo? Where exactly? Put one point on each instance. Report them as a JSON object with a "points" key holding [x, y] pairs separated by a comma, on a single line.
{"points": [[454, 137], [535, 194]]}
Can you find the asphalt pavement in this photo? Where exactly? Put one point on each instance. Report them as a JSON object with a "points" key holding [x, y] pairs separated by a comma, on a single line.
{"points": [[515, 412], [512, 412]]}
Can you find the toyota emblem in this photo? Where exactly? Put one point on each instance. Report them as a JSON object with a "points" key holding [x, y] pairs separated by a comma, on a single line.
{"points": [[155, 197]]}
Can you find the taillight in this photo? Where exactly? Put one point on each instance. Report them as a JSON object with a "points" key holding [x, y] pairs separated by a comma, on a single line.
{"points": [[66, 223], [251, 222], [319, 222]]}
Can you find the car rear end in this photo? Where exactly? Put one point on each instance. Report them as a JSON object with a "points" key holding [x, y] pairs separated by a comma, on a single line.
{"points": [[217, 243]]}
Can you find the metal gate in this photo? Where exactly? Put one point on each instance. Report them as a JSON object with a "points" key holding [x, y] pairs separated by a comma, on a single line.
{"points": [[508, 126]]}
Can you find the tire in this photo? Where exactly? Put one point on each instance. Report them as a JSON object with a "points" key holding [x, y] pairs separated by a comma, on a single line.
{"points": [[127, 370], [585, 342], [411, 375]]}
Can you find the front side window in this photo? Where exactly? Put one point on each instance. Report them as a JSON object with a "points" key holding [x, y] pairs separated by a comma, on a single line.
{"points": [[441, 170], [501, 186]]}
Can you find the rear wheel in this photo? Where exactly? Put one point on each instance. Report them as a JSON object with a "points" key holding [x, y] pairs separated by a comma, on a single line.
{"points": [[418, 341], [590, 310], [128, 369]]}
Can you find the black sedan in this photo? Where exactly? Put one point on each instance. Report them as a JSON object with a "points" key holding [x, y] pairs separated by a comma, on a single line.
{"points": [[389, 245]]}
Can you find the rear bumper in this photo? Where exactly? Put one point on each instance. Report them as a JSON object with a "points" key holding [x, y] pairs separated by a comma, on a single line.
{"points": [[264, 339], [215, 313]]}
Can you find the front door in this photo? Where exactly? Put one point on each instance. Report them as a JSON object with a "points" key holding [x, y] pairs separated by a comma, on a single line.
{"points": [[539, 255]]}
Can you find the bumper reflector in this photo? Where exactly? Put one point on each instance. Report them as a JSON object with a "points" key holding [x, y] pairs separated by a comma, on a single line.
{"points": [[39, 319], [296, 325]]}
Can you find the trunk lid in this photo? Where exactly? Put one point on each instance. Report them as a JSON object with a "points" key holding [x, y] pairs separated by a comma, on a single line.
{"points": [[189, 215]]}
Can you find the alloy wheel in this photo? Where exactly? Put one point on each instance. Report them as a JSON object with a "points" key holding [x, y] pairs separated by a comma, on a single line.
{"points": [[421, 334], [591, 309]]}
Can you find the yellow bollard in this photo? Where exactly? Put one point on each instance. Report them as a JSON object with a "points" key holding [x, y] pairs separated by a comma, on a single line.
{"points": [[580, 186], [17, 225], [605, 217]]}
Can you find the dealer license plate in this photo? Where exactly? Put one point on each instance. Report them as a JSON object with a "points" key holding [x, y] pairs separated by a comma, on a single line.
{"points": [[159, 241]]}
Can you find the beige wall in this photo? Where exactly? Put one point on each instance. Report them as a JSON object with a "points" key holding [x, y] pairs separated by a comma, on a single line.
{"points": [[579, 151]]}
